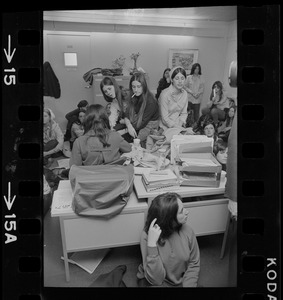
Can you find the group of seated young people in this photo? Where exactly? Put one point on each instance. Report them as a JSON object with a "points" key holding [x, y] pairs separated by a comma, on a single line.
{"points": [[137, 113], [99, 135]]}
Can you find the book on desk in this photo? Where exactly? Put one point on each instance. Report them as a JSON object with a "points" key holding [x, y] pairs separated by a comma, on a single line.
{"points": [[155, 180]]}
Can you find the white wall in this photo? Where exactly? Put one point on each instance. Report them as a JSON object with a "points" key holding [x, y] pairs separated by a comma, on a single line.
{"points": [[215, 55]]}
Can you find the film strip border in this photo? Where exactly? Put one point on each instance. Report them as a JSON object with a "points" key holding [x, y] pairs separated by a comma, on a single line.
{"points": [[258, 257]]}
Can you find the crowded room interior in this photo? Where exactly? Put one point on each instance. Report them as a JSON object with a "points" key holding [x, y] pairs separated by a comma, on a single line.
{"points": [[140, 147]]}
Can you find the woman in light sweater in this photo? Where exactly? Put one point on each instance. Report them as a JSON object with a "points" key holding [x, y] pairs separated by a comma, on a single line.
{"points": [[169, 247], [173, 102]]}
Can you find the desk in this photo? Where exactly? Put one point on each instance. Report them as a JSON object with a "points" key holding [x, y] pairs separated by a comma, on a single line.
{"points": [[88, 233], [206, 216]]}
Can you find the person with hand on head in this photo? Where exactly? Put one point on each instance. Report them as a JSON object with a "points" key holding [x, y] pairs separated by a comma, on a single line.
{"points": [[173, 102], [164, 82], [142, 115], [99, 144], [73, 116], [217, 104], [170, 252], [194, 86]]}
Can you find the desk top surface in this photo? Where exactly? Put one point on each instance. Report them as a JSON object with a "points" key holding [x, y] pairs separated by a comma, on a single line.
{"points": [[62, 202], [184, 191]]}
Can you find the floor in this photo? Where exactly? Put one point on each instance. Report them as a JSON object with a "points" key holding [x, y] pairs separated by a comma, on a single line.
{"points": [[214, 271]]}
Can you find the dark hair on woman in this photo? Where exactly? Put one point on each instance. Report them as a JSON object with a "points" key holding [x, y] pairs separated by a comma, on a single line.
{"points": [[97, 123], [111, 81], [164, 208], [210, 122], [220, 145], [167, 69], [194, 66], [178, 70], [146, 93], [229, 120], [82, 103], [220, 86]]}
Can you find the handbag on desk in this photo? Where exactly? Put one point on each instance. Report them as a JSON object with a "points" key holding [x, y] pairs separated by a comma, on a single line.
{"points": [[101, 190]]}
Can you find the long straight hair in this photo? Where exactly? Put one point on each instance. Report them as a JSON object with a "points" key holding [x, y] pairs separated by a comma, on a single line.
{"points": [[220, 86], [146, 93], [96, 121], [229, 120], [111, 81], [164, 208], [194, 66]]}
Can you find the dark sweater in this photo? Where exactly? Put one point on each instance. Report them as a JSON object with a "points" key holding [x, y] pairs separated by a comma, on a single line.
{"points": [[151, 112]]}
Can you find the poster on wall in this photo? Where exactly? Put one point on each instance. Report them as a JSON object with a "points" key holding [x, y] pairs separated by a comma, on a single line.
{"points": [[182, 57]]}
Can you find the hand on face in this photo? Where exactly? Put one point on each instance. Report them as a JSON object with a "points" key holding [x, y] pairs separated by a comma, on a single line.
{"points": [[154, 232]]}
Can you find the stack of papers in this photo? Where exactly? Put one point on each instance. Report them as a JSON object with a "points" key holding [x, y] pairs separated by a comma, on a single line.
{"points": [[155, 180]]}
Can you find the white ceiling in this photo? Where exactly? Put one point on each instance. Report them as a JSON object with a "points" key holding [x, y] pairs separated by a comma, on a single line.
{"points": [[183, 16]]}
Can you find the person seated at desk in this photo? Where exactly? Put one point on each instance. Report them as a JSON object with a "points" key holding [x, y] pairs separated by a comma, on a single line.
{"points": [[170, 252], [99, 144]]}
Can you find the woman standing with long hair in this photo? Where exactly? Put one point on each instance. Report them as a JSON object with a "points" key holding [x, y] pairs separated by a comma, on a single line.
{"points": [[194, 86]]}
